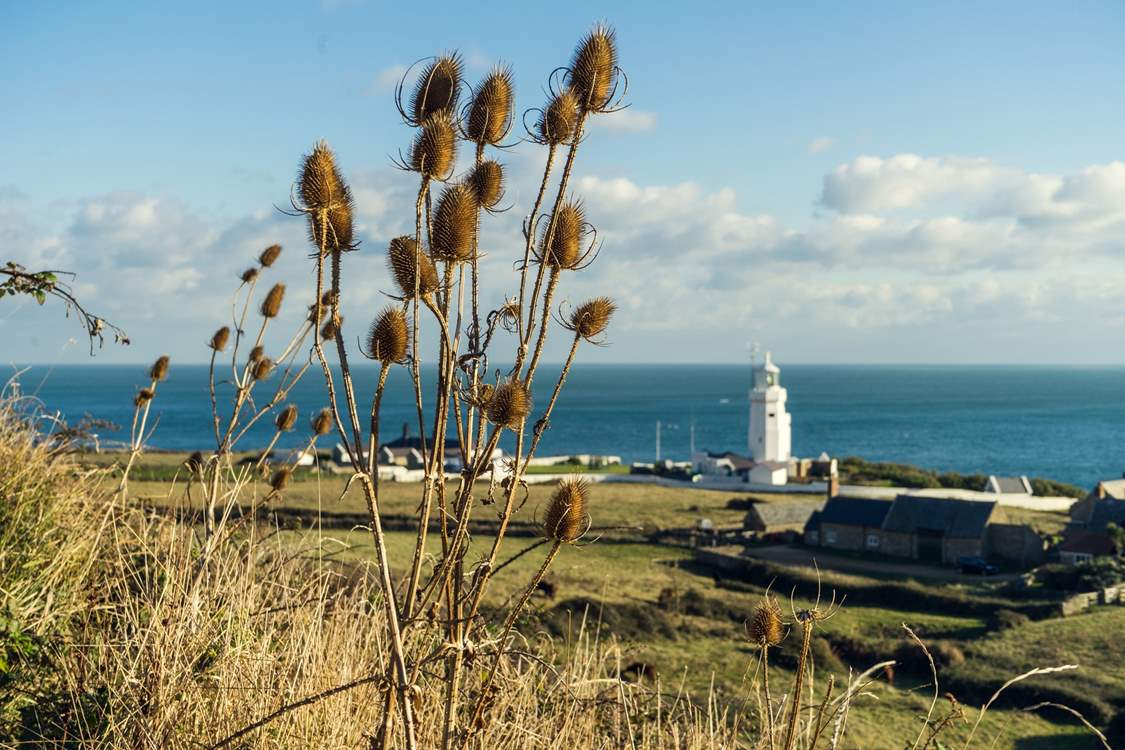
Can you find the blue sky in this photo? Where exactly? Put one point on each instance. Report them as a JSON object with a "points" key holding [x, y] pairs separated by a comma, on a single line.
{"points": [[841, 182]]}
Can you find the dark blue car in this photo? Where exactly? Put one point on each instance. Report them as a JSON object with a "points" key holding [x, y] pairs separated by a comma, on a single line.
{"points": [[976, 566]]}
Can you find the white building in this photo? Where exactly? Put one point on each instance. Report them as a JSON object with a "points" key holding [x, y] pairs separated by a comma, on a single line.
{"points": [[770, 423]]}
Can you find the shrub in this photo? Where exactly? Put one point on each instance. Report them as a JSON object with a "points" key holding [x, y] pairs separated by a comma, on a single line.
{"points": [[1006, 619]]}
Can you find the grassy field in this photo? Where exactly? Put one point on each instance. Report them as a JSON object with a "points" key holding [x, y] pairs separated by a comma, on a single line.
{"points": [[687, 624]]}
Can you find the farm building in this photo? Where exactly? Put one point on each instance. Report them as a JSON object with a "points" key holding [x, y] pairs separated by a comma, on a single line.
{"points": [[851, 523], [784, 515], [1090, 532], [1009, 485]]}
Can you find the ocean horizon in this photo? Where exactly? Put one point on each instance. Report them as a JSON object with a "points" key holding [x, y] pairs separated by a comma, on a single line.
{"points": [[1063, 422]]}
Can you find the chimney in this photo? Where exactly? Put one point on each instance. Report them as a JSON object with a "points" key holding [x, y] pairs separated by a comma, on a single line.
{"points": [[1101, 491], [833, 485], [405, 431]]}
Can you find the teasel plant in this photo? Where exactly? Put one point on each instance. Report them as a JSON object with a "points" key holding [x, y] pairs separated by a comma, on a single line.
{"points": [[436, 279], [142, 405]]}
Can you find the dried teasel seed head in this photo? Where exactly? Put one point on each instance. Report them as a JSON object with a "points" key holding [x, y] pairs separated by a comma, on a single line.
{"points": [[280, 479], [325, 306], [455, 223], [337, 234], [195, 462], [593, 70], [766, 628], [269, 255], [263, 368], [510, 404], [271, 305], [159, 369], [331, 328], [590, 319], [249, 275], [319, 180], [559, 120], [561, 246], [389, 337], [287, 418], [143, 396], [490, 113], [403, 256], [438, 88], [256, 353], [487, 181], [566, 518], [322, 422], [219, 339], [435, 147]]}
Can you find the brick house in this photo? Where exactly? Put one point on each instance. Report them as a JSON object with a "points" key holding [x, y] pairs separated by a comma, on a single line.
{"points": [[1089, 533], [850, 523]]}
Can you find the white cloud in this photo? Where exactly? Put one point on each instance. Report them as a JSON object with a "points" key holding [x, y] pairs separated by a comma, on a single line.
{"points": [[385, 80], [821, 144], [628, 120]]}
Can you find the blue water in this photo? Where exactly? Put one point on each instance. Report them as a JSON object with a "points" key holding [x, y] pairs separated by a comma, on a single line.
{"points": [[1066, 423]]}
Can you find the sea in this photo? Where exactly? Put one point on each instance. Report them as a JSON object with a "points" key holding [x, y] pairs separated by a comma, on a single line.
{"points": [[1062, 423]]}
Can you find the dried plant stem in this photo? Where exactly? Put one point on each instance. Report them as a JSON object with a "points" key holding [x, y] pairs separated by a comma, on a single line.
{"points": [[214, 400], [564, 180], [548, 295], [766, 690], [137, 439], [376, 404], [529, 237], [798, 683], [509, 623]]}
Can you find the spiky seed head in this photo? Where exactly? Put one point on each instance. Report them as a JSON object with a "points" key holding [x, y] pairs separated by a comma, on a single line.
{"points": [[560, 119], [287, 418], [249, 275], [566, 518], [194, 463], [331, 327], [271, 305], [402, 256], [263, 368], [455, 223], [280, 478], [564, 249], [389, 337], [269, 255], [159, 369], [325, 306], [319, 180], [219, 339], [593, 70], [256, 353], [487, 181], [322, 422], [143, 396], [766, 628], [435, 147], [337, 233], [438, 88], [490, 113], [590, 319], [509, 405]]}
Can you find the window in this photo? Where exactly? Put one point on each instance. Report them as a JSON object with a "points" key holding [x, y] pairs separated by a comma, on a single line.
{"points": [[830, 536], [872, 541]]}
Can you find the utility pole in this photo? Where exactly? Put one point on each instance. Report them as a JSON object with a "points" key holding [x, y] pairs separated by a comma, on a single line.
{"points": [[658, 441]]}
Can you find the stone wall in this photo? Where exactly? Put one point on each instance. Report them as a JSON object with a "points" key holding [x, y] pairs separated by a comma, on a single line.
{"points": [[953, 547], [1016, 543], [897, 544], [846, 537]]}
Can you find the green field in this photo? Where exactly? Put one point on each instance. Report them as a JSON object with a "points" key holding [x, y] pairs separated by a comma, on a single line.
{"points": [[687, 623]]}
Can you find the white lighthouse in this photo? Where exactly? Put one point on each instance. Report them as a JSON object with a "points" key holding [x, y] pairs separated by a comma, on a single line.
{"points": [[769, 422]]}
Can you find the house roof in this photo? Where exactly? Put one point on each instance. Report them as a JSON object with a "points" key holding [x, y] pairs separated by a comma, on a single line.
{"points": [[773, 465], [1011, 485], [955, 518], [1087, 542], [814, 522], [1106, 512], [784, 512], [413, 441], [855, 511]]}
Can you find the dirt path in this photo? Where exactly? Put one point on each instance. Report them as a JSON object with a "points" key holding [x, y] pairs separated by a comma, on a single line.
{"points": [[799, 557]]}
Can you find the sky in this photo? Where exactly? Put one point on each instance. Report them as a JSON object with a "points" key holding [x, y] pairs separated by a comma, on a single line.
{"points": [[836, 182]]}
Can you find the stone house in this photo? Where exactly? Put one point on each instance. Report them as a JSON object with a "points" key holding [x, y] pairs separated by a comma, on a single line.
{"points": [[1089, 533], [940, 530], [849, 523], [782, 515]]}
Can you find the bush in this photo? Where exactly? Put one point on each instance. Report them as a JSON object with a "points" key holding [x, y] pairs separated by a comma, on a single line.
{"points": [[1006, 619], [912, 659]]}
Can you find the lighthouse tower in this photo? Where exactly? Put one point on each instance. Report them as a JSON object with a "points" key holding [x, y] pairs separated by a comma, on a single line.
{"points": [[769, 422]]}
